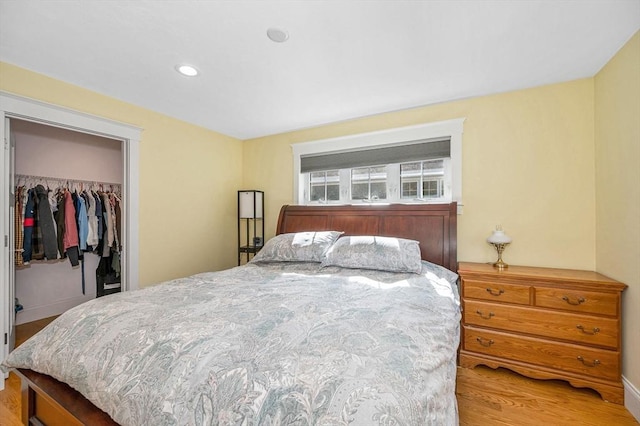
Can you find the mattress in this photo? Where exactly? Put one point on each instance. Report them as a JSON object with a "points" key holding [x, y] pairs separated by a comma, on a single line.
{"points": [[283, 343]]}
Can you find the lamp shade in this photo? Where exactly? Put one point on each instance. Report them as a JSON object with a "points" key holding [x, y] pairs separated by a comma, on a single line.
{"points": [[499, 237], [250, 204]]}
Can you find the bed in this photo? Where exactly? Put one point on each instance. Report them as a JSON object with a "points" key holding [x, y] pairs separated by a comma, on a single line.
{"points": [[322, 327]]}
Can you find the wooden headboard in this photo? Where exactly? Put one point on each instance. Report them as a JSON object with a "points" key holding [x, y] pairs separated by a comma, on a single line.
{"points": [[433, 225]]}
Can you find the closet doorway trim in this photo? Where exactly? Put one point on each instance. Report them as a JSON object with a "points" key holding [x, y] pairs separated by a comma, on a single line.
{"points": [[15, 106]]}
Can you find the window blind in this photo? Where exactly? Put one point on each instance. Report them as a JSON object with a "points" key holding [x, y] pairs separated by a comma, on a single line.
{"points": [[410, 151]]}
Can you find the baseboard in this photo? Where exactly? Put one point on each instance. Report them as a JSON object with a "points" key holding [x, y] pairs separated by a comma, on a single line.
{"points": [[631, 398], [45, 311]]}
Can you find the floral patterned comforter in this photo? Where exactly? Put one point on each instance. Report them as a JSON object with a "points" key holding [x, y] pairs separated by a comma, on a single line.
{"points": [[271, 344]]}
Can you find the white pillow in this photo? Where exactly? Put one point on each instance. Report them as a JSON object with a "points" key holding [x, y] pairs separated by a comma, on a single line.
{"points": [[371, 252], [297, 247]]}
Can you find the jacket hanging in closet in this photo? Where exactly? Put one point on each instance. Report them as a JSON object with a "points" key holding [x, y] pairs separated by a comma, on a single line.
{"points": [[19, 227], [45, 224], [70, 230]]}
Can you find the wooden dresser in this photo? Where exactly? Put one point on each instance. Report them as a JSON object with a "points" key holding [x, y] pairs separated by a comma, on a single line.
{"points": [[544, 323]]}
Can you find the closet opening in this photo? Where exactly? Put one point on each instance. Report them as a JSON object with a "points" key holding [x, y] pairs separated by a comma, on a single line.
{"points": [[53, 168], [16, 107]]}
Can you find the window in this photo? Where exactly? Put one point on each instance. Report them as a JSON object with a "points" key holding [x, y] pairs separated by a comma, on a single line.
{"points": [[324, 186], [423, 179], [369, 183], [419, 181], [410, 164]]}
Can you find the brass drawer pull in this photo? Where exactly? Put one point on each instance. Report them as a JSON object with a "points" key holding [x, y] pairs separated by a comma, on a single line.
{"points": [[495, 292], [589, 364], [487, 343], [479, 312], [579, 301], [581, 328]]}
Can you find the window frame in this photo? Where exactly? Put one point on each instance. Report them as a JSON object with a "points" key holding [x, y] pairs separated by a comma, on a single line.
{"points": [[420, 179], [369, 181], [452, 129], [325, 185]]}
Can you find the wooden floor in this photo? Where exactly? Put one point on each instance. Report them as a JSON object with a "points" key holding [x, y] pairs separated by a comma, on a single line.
{"points": [[10, 407], [502, 397], [485, 397]]}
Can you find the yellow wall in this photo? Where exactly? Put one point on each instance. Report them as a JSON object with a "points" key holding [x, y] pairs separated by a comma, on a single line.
{"points": [[528, 164], [617, 146], [188, 179], [533, 161]]}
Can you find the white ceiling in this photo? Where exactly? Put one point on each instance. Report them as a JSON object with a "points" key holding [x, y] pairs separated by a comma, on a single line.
{"points": [[343, 60]]}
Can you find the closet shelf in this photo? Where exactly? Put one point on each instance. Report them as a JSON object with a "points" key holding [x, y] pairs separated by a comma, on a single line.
{"points": [[66, 182]]}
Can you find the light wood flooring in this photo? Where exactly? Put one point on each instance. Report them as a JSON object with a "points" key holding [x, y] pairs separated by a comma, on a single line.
{"points": [[485, 397], [502, 397], [10, 407]]}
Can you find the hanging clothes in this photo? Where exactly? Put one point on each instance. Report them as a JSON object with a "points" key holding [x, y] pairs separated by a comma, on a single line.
{"points": [[92, 219], [107, 279], [45, 224], [83, 225], [37, 243], [60, 223], [53, 206], [29, 219], [70, 230], [118, 222], [109, 221], [19, 226], [100, 219], [117, 216]]}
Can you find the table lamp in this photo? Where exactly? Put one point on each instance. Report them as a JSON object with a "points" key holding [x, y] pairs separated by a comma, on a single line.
{"points": [[499, 240]]}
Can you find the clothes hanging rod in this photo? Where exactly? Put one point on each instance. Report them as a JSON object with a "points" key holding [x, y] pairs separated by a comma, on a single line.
{"points": [[46, 179]]}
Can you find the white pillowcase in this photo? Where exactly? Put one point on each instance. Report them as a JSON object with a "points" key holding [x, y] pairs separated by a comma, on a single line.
{"points": [[379, 253], [297, 247]]}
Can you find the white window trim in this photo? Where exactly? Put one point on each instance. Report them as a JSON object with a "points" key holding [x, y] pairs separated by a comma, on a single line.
{"points": [[452, 129]]}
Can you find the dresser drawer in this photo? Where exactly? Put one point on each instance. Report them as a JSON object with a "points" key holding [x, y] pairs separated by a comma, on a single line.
{"points": [[496, 292], [584, 329], [599, 363], [577, 300]]}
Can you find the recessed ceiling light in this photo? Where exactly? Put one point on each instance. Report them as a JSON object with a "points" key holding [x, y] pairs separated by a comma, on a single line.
{"points": [[187, 70], [277, 35]]}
